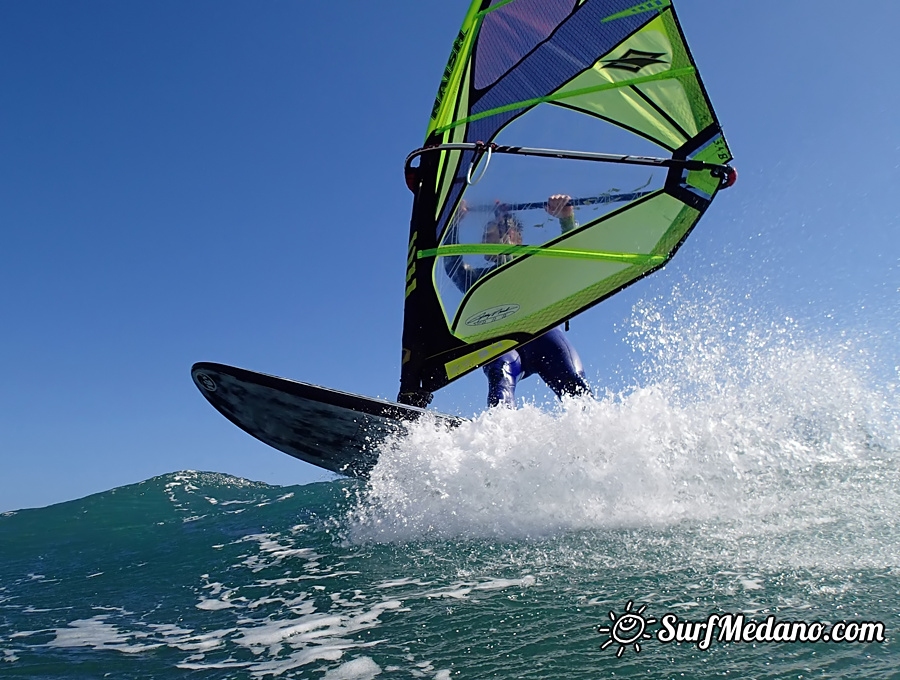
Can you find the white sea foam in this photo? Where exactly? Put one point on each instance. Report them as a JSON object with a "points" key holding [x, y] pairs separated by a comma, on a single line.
{"points": [[362, 668], [731, 416], [293, 633], [96, 633]]}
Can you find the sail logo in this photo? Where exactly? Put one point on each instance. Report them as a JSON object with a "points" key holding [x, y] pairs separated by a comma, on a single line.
{"points": [[492, 315], [634, 60], [448, 73]]}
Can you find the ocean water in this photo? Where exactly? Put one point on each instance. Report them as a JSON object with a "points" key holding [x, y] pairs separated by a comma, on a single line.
{"points": [[751, 470]]}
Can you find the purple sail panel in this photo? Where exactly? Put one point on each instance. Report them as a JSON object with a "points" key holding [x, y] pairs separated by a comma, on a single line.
{"points": [[512, 31], [573, 47]]}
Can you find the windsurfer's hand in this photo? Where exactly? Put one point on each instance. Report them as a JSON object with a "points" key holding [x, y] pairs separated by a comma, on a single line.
{"points": [[560, 206]]}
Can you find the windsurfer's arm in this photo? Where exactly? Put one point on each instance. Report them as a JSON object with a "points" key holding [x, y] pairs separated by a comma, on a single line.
{"points": [[560, 206]]}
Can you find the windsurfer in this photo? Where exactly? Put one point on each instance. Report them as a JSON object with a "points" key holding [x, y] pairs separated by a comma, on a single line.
{"points": [[550, 355]]}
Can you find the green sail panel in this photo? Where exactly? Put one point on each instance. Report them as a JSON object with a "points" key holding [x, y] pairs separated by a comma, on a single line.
{"points": [[646, 84], [544, 289]]}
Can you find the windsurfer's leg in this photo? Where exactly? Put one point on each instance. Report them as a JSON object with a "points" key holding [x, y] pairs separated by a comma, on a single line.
{"points": [[503, 374], [553, 358]]}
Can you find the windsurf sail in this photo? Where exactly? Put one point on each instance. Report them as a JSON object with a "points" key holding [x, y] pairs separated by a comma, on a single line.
{"points": [[596, 100]]}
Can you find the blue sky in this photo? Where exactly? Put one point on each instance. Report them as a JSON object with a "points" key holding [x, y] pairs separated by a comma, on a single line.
{"points": [[218, 180]]}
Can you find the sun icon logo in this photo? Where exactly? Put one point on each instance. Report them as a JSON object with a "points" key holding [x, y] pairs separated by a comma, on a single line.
{"points": [[628, 629]]}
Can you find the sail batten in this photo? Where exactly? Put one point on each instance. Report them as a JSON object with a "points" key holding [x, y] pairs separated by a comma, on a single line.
{"points": [[561, 97]]}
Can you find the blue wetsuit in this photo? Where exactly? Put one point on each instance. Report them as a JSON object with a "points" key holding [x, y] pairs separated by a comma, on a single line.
{"points": [[550, 355]]}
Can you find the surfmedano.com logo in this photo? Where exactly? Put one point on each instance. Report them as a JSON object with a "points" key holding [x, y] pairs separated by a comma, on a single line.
{"points": [[630, 629]]}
